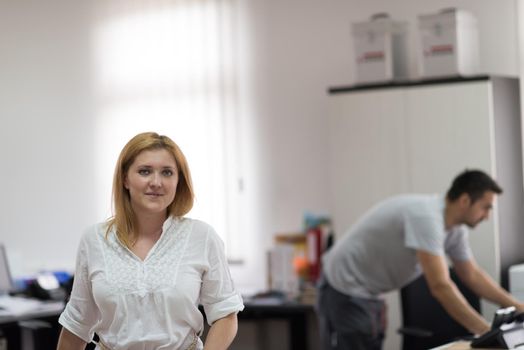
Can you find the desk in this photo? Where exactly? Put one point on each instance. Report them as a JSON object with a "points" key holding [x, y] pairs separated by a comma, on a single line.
{"points": [[296, 314], [46, 309], [458, 345], [14, 332]]}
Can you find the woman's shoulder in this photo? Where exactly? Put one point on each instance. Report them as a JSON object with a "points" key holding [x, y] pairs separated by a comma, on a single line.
{"points": [[199, 228], [93, 232]]}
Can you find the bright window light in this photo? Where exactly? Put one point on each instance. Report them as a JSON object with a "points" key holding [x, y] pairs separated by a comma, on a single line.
{"points": [[169, 67]]}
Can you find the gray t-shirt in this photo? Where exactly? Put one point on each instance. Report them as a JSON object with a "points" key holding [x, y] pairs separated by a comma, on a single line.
{"points": [[378, 254]]}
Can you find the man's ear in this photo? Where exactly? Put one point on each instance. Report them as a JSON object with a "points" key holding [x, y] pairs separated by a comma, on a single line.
{"points": [[464, 200]]}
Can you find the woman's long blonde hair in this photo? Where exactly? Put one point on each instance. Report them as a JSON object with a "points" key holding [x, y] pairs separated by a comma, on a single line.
{"points": [[124, 219]]}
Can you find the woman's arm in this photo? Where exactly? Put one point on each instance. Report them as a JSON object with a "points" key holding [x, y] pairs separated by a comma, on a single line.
{"points": [[69, 341], [222, 333]]}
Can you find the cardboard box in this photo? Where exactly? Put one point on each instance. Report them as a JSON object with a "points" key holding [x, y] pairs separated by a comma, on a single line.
{"points": [[380, 47], [449, 44]]}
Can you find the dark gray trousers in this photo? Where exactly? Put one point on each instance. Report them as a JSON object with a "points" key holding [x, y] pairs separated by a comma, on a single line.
{"points": [[349, 323]]}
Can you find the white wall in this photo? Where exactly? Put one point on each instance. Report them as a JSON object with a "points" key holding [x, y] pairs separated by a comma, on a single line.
{"points": [[46, 135]]}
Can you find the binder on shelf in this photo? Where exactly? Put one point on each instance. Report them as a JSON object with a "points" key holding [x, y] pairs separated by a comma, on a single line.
{"points": [[314, 252]]}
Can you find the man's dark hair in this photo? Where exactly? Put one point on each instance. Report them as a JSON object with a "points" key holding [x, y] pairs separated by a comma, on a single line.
{"points": [[473, 182]]}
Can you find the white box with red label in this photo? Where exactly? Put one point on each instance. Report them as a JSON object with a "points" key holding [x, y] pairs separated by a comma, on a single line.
{"points": [[380, 50], [448, 44]]}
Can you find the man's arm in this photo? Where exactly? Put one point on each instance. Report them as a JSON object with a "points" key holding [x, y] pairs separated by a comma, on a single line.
{"points": [[483, 285], [447, 294]]}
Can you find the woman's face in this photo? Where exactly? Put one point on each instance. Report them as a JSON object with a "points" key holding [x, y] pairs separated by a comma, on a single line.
{"points": [[151, 181]]}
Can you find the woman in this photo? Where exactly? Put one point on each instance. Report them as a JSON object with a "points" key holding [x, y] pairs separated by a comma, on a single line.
{"points": [[141, 275]]}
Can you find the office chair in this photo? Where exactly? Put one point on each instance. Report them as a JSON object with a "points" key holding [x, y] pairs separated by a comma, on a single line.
{"points": [[425, 323]]}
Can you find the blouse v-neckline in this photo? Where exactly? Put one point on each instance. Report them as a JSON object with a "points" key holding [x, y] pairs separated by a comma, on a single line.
{"points": [[165, 227]]}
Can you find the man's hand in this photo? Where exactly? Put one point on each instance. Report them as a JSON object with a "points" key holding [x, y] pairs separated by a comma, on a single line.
{"points": [[482, 331], [520, 307]]}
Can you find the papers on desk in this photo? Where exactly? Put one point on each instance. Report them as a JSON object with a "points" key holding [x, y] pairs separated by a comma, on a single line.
{"points": [[268, 298], [10, 305], [266, 301]]}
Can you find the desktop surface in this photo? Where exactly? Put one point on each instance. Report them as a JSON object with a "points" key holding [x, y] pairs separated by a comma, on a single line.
{"points": [[13, 309], [462, 345]]}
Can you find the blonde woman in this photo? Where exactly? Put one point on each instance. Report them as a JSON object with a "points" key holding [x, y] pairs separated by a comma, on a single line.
{"points": [[141, 275]]}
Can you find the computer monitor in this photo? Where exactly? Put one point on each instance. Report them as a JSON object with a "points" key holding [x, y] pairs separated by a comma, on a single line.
{"points": [[6, 282]]}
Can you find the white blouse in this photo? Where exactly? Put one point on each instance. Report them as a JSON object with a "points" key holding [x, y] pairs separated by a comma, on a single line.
{"points": [[151, 304]]}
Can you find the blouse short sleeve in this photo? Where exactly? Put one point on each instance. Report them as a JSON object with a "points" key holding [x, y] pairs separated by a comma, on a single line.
{"points": [[218, 295], [81, 314]]}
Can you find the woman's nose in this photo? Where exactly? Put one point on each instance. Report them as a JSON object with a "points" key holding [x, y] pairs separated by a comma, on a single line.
{"points": [[155, 180]]}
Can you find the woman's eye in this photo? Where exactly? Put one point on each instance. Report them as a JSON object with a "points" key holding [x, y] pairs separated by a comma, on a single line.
{"points": [[168, 172], [144, 172]]}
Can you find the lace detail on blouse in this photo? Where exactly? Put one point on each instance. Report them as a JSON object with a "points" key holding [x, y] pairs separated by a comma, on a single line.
{"points": [[127, 274]]}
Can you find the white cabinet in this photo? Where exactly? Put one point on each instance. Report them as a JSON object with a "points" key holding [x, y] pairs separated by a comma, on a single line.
{"points": [[449, 128], [367, 134], [415, 137]]}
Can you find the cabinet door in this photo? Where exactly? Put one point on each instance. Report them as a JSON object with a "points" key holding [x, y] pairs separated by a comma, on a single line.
{"points": [[450, 128], [368, 155]]}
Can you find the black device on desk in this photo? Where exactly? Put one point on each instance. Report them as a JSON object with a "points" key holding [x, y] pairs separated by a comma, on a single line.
{"points": [[46, 287], [35, 327], [507, 331]]}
